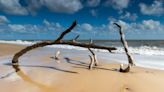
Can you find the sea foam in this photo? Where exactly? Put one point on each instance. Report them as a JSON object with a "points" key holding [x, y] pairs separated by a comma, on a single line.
{"points": [[141, 50]]}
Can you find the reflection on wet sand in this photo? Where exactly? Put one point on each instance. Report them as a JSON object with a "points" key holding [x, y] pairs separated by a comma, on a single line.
{"points": [[20, 73]]}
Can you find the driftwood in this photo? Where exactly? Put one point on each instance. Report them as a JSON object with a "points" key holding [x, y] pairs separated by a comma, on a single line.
{"points": [[124, 42], [93, 58], [57, 57], [127, 69], [59, 41], [91, 62]]}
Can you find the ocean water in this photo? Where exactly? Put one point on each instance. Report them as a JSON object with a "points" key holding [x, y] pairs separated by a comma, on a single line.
{"points": [[147, 53], [141, 47]]}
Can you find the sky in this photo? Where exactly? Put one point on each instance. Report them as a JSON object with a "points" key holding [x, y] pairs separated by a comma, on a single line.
{"points": [[46, 19]]}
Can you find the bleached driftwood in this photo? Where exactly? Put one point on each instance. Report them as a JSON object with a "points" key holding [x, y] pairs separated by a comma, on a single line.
{"points": [[57, 57], [59, 41], [91, 62], [124, 42]]}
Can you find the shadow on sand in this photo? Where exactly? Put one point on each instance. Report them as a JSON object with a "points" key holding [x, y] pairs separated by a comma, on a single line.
{"points": [[80, 64]]}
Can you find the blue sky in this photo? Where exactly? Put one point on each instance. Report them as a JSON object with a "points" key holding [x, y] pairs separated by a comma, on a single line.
{"points": [[46, 19]]}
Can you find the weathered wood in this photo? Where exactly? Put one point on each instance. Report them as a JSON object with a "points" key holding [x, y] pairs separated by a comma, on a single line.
{"points": [[124, 42], [127, 69], [59, 41], [66, 31], [91, 62], [57, 59], [94, 57]]}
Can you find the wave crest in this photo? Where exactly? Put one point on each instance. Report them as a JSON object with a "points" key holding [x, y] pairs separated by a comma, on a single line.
{"points": [[141, 50]]}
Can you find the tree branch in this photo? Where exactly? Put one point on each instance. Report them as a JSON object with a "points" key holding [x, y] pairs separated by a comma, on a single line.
{"points": [[124, 42], [94, 57], [66, 31], [58, 41], [91, 62]]}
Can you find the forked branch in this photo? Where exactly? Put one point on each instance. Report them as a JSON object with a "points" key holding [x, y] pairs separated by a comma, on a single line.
{"points": [[59, 41]]}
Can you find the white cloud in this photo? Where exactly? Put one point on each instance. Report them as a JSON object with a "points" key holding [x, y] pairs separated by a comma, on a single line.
{"points": [[129, 16], [12, 7], [17, 27], [93, 12], [117, 4], [63, 6], [86, 26], [145, 25], [3, 19], [60, 6], [52, 26], [106, 30], [93, 3], [46, 22], [157, 8], [26, 29], [151, 25], [34, 5]]}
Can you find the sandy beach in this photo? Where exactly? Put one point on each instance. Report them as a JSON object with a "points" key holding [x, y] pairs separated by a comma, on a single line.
{"points": [[40, 73]]}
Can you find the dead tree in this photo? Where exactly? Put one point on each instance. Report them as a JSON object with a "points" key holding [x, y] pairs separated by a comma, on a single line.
{"points": [[59, 41], [124, 42]]}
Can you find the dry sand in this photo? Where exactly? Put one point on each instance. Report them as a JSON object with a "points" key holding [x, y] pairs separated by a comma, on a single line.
{"points": [[75, 77], [7, 49]]}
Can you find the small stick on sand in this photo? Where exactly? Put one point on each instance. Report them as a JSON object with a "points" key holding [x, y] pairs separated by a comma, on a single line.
{"points": [[91, 62], [57, 56]]}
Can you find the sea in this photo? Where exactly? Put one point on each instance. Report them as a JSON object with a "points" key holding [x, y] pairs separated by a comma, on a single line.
{"points": [[140, 47]]}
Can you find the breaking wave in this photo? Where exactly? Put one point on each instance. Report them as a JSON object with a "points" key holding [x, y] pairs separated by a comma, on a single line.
{"points": [[141, 50]]}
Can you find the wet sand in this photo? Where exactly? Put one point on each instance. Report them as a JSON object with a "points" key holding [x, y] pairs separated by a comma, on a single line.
{"points": [[40, 73]]}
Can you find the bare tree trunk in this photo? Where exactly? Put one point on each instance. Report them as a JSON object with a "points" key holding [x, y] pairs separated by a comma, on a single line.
{"points": [[124, 42]]}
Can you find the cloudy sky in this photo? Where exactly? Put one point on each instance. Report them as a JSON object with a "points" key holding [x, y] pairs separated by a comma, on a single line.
{"points": [[46, 19]]}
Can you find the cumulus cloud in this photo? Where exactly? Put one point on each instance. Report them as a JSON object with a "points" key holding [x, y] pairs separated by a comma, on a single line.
{"points": [[3, 19], [94, 13], [156, 8], [12, 7], [34, 5], [93, 3], [144, 26], [46, 22], [129, 16], [119, 5], [52, 26], [151, 25], [47, 27], [105, 30], [17, 27], [86, 27], [63, 6], [60, 6]]}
